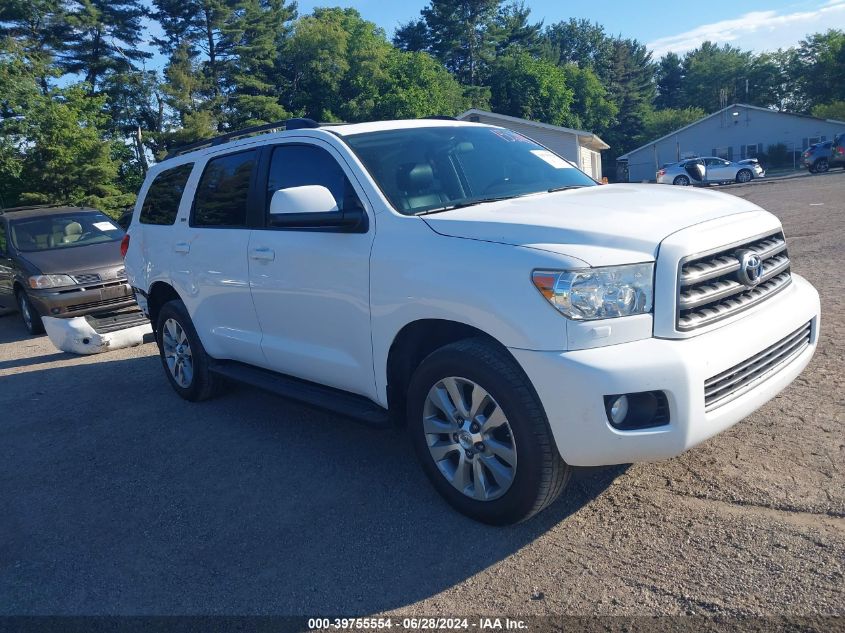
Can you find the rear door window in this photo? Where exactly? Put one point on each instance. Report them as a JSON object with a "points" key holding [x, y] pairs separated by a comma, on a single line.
{"points": [[161, 203], [221, 198]]}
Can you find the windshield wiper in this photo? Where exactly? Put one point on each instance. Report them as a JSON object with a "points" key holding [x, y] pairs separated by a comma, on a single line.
{"points": [[564, 188], [467, 203]]}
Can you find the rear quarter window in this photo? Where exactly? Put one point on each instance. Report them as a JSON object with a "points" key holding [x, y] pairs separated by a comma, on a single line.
{"points": [[161, 203]]}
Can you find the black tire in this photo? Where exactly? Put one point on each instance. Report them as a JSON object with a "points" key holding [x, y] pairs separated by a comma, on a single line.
{"points": [[540, 474], [821, 166], [29, 314], [203, 384], [681, 180], [748, 177]]}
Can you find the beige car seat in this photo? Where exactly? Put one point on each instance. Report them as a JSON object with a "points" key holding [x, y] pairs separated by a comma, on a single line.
{"points": [[73, 231]]}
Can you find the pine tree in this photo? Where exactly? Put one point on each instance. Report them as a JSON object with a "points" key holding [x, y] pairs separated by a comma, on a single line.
{"points": [[256, 35], [103, 37], [39, 27], [670, 76]]}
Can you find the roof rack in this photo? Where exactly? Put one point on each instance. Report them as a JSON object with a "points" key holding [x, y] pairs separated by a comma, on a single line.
{"points": [[33, 207], [290, 124]]}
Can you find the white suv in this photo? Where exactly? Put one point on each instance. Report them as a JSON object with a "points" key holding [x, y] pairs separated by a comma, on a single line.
{"points": [[466, 282]]}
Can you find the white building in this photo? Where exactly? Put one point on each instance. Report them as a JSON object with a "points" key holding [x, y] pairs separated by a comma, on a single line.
{"points": [[733, 133], [582, 148]]}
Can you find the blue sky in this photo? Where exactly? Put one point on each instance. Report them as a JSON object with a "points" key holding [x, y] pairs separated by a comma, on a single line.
{"points": [[664, 25]]}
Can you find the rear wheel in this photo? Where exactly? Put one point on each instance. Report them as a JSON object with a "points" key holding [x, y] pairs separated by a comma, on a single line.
{"points": [[744, 175], [821, 166], [481, 434], [681, 180], [29, 314], [183, 357]]}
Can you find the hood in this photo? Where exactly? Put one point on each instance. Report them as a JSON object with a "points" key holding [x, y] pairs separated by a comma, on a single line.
{"points": [[74, 259], [602, 225]]}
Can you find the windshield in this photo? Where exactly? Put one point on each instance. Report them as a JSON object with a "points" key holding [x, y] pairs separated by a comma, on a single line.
{"points": [[66, 230], [428, 169]]}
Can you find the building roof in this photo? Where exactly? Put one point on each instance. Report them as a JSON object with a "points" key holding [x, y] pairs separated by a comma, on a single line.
{"points": [[710, 116], [586, 138]]}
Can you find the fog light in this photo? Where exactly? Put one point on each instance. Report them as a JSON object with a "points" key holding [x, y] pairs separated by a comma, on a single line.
{"points": [[634, 411], [55, 310], [619, 409]]}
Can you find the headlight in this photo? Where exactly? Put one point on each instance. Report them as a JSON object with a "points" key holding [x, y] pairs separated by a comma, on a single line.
{"points": [[598, 293], [51, 281]]}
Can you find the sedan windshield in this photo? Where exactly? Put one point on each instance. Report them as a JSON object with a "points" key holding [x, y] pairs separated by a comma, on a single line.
{"points": [[64, 230], [424, 170]]}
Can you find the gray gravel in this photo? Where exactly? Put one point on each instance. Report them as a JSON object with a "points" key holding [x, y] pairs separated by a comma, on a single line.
{"points": [[119, 498]]}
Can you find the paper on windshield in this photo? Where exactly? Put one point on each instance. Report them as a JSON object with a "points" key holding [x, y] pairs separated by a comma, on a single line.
{"points": [[104, 226], [555, 161]]}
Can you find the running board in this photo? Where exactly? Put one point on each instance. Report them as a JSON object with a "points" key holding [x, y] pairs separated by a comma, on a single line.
{"points": [[319, 396]]}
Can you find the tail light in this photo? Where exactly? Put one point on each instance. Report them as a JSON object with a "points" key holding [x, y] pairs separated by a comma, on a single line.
{"points": [[661, 172], [124, 245]]}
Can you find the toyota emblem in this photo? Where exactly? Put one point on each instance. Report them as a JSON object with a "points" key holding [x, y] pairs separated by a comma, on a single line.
{"points": [[750, 268]]}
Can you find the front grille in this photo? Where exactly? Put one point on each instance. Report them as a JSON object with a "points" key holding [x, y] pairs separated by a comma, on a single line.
{"points": [[732, 383], [709, 288], [87, 279], [99, 304]]}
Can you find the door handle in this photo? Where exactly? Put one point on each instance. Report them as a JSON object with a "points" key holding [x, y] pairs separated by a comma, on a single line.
{"points": [[262, 254], [182, 247]]}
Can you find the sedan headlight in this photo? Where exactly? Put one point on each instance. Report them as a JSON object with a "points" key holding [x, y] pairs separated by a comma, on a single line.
{"points": [[51, 281], [598, 293]]}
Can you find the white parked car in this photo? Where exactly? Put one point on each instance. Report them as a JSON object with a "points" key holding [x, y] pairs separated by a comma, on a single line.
{"points": [[466, 282], [709, 170]]}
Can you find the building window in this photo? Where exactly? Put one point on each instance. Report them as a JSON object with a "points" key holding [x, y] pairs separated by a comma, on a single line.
{"points": [[725, 153], [751, 151]]}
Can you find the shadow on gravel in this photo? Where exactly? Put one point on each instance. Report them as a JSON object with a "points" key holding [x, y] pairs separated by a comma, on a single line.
{"points": [[120, 498]]}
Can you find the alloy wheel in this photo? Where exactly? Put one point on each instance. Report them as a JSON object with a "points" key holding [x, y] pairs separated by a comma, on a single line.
{"points": [[177, 353], [744, 175], [25, 313], [469, 438]]}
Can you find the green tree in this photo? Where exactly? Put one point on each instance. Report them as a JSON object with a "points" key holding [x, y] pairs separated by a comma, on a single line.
{"points": [[103, 37], [460, 33], [834, 110], [659, 123], [195, 40], [592, 108], [715, 76], [257, 33], [670, 77], [512, 27], [39, 27], [580, 42], [530, 88], [631, 88], [417, 85], [335, 62], [820, 67]]}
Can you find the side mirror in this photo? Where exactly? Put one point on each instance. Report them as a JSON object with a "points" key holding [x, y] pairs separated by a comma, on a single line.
{"points": [[314, 207], [305, 199]]}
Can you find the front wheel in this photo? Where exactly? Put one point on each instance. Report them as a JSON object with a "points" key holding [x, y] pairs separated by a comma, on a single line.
{"points": [[481, 434], [681, 180], [821, 166], [744, 175], [29, 314], [185, 361]]}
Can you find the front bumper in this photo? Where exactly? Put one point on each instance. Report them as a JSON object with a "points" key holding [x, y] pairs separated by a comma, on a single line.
{"points": [[79, 301], [572, 385]]}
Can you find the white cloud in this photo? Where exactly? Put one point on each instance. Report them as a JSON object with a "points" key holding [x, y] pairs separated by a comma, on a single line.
{"points": [[757, 30]]}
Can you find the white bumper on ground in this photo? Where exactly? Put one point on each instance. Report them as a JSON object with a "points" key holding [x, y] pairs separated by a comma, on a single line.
{"points": [[78, 337], [572, 385]]}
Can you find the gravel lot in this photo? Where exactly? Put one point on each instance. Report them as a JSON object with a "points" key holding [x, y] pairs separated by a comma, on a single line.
{"points": [[120, 498]]}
